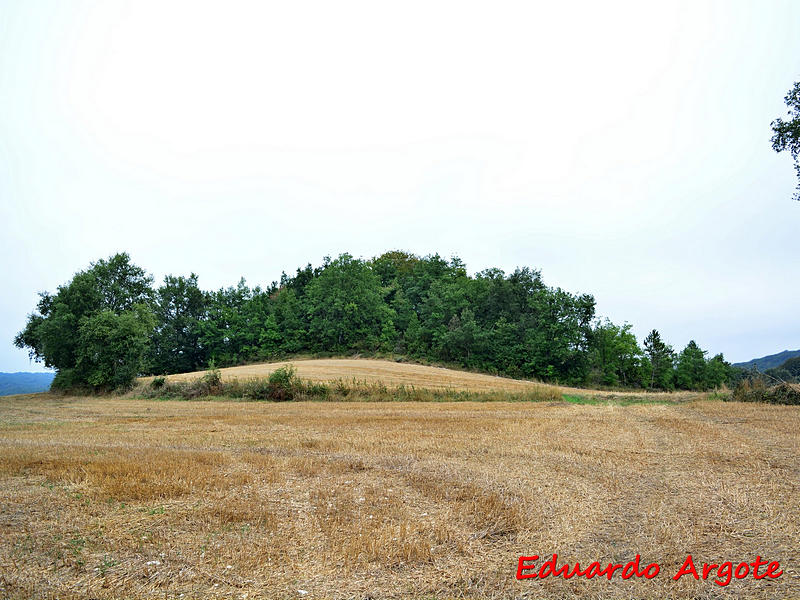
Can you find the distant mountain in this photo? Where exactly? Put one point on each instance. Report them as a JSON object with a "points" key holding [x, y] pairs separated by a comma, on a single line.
{"points": [[24, 383], [768, 362]]}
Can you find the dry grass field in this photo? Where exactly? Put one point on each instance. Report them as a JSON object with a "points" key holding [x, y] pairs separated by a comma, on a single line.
{"points": [[371, 371], [128, 498], [394, 374]]}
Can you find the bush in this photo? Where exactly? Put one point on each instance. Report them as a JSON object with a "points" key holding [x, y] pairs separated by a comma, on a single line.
{"points": [[750, 390], [785, 393], [756, 390], [284, 384], [210, 384], [317, 390], [281, 385], [255, 389]]}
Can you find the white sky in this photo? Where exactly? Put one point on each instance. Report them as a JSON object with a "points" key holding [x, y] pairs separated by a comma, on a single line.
{"points": [[621, 148]]}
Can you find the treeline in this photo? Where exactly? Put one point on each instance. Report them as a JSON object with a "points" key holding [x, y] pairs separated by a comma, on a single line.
{"points": [[109, 324], [788, 372]]}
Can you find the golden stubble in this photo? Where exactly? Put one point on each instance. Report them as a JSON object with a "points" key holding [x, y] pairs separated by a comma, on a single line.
{"points": [[368, 372], [126, 498]]}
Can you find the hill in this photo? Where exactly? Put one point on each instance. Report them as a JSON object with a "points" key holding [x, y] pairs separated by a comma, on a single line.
{"points": [[396, 374], [768, 362], [24, 383], [391, 374]]}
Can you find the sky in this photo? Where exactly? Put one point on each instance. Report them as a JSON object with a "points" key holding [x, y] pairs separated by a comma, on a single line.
{"points": [[622, 148]]}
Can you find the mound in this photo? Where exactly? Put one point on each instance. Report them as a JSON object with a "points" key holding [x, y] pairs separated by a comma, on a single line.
{"points": [[389, 373]]}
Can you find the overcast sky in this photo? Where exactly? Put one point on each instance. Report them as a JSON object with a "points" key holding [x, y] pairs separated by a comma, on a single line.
{"points": [[621, 148]]}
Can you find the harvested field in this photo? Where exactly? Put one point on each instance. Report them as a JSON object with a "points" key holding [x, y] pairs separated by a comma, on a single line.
{"points": [[371, 371], [126, 498], [394, 374]]}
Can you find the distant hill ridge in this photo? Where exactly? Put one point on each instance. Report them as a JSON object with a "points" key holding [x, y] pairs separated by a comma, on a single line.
{"points": [[24, 383], [768, 362]]}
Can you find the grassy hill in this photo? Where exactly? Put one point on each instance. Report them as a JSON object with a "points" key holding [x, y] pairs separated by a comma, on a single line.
{"points": [[24, 383], [389, 373], [395, 374], [768, 362]]}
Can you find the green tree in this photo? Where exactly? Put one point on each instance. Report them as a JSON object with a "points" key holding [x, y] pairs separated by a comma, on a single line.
{"points": [[180, 308], [345, 306], [718, 372], [291, 321], [112, 347], [96, 328], [792, 366], [463, 338], [787, 133], [412, 337], [557, 327], [690, 370], [226, 334], [661, 359], [615, 356]]}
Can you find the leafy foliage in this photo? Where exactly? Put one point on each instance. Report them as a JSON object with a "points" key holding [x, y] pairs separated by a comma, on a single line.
{"points": [[787, 133], [660, 362], [615, 357], [180, 308], [95, 330], [345, 307], [787, 372], [107, 325]]}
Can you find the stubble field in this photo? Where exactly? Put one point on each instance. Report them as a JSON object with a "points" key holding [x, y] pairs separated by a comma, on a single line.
{"points": [[394, 374], [128, 498]]}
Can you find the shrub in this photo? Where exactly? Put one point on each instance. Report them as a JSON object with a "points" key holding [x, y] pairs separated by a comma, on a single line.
{"points": [[210, 384], [284, 383], [756, 390], [256, 389], [341, 388], [158, 382], [317, 390], [785, 393]]}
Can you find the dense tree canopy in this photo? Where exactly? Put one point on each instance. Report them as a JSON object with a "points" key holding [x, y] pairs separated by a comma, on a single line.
{"points": [[788, 371], [108, 325], [787, 132], [94, 330], [179, 309]]}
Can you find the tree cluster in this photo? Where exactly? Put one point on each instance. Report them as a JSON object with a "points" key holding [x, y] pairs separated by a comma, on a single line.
{"points": [[108, 324], [786, 132], [788, 372]]}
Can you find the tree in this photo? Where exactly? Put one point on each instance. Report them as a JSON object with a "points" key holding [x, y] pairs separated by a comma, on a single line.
{"points": [[345, 307], [615, 356], [787, 133], [95, 329], [179, 309], [661, 360], [690, 372], [718, 372], [112, 347], [792, 365], [462, 337], [225, 333]]}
